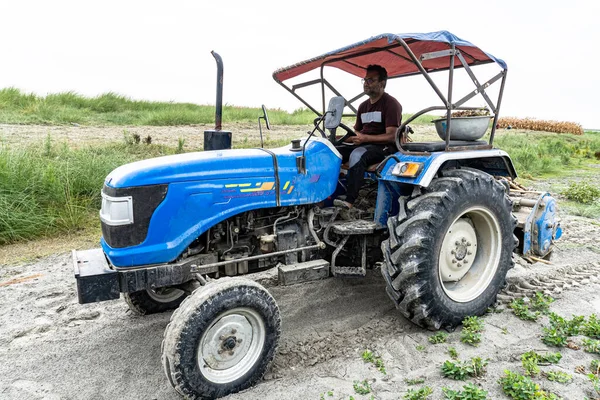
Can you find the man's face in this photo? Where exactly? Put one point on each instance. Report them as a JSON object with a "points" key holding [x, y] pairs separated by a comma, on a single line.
{"points": [[372, 85]]}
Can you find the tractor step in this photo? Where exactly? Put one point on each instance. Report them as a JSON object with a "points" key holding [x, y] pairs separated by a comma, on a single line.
{"points": [[356, 227], [303, 272], [349, 271]]}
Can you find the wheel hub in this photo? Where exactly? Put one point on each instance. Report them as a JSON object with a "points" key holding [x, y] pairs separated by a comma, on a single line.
{"points": [[470, 254], [458, 250], [227, 342]]}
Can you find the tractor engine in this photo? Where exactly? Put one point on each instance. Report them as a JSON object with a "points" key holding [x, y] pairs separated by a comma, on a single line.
{"points": [[256, 233]]}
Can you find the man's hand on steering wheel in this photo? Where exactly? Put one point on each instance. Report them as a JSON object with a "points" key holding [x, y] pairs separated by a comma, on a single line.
{"points": [[349, 133]]}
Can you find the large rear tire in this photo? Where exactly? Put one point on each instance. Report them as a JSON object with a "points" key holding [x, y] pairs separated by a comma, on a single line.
{"points": [[221, 339], [447, 256]]}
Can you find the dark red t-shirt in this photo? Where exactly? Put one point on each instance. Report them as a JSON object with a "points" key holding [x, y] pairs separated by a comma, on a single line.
{"points": [[372, 119]]}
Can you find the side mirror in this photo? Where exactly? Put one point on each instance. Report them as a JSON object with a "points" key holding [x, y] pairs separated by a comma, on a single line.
{"points": [[333, 116], [266, 117]]}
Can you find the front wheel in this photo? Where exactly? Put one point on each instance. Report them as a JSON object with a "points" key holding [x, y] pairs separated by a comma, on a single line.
{"points": [[448, 258], [154, 301], [221, 339]]}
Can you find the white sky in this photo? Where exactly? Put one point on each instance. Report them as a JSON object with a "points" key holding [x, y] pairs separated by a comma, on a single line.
{"points": [[160, 50]]}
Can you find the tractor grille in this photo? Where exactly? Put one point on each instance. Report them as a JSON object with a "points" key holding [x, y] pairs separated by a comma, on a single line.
{"points": [[145, 201]]}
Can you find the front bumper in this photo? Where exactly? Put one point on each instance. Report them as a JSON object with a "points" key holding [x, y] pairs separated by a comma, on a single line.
{"points": [[96, 281]]}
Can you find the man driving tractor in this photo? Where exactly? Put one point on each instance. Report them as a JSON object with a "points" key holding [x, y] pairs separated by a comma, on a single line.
{"points": [[377, 121]]}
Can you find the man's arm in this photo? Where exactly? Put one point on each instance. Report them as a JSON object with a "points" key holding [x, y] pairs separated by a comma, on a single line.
{"points": [[388, 137]]}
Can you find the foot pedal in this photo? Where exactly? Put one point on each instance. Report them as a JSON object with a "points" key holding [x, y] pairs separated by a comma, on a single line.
{"points": [[349, 271]]}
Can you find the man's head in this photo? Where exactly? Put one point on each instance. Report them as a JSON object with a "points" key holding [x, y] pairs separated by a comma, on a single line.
{"points": [[374, 81]]}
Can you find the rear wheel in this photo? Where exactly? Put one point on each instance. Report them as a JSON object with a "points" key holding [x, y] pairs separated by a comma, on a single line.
{"points": [[448, 257], [154, 301]]}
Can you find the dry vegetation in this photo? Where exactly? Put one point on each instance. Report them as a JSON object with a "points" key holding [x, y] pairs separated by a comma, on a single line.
{"points": [[540, 125]]}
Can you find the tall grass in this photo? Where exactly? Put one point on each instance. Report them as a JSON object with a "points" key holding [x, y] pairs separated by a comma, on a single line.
{"points": [[542, 154], [49, 188], [113, 109]]}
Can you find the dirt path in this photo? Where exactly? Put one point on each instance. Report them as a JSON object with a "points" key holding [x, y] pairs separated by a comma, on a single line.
{"points": [[53, 348], [242, 134]]}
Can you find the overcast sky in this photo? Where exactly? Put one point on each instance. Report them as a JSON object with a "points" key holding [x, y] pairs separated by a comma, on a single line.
{"points": [[160, 50]]}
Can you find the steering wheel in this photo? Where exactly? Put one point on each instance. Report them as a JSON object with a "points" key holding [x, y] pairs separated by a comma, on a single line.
{"points": [[349, 133]]}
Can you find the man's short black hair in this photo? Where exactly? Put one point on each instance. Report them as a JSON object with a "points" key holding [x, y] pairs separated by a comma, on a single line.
{"points": [[381, 72]]}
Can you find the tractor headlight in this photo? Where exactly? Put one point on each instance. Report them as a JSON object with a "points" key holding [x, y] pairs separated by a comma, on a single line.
{"points": [[407, 169], [116, 210]]}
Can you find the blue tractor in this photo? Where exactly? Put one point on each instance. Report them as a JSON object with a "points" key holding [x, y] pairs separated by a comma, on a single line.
{"points": [[439, 219]]}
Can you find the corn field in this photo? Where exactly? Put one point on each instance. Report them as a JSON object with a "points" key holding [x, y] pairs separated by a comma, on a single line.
{"points": [[540, 125]]}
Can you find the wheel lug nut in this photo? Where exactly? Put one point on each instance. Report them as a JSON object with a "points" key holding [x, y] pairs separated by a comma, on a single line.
{"points": [[463, 240], [465, 261], [233, 331], [469, 253], [452, 252], [230, 352], [222, 337], [239, 341], [453, 261], [457, 243], [220, 351], [468, 243]]}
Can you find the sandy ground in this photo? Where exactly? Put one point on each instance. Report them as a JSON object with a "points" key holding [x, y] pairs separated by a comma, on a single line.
{"points": [[53, 348]]}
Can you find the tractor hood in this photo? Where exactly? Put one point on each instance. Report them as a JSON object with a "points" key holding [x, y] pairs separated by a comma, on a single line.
{"points": [[199, 166]]}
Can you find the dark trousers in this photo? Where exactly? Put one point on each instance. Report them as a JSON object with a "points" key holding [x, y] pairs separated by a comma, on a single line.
{"points": [[359, 158]]}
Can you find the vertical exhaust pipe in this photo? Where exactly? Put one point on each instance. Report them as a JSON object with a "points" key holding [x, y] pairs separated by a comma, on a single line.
{"points": [[219, 103], [218, 139]]}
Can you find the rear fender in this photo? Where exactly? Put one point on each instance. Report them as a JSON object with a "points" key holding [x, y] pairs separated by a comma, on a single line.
{"points": [[493, 162]]}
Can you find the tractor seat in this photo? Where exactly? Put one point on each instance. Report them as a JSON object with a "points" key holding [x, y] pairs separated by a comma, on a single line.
{"points": [[439, 146]]}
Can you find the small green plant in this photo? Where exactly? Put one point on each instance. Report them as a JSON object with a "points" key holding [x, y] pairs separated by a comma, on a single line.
{"points": [[439, 337], [505, 331], [48, 146], [416, 381], [520, 387], [591, 345], [591, 328], [471, 331], [522, 311], [461, 370], [581, 192], [554, 337], [420, 347], [559, 376], [473, 323], [362, 387], [180, 145], [370, 357], [531, 360], [541, 302], [470, 337], [453, 353], [469, 392], [418, 394]]}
